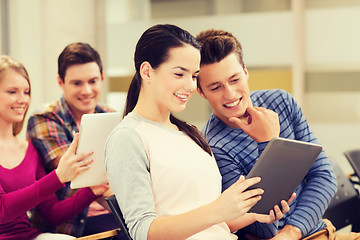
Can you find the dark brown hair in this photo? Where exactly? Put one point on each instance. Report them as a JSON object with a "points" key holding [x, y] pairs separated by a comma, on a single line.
{"points": [[7, 63], [77, 53], [216, 45], [153, 47]]}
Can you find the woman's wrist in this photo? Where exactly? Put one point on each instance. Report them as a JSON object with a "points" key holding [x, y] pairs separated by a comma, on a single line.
{"points": [[59, 175]]}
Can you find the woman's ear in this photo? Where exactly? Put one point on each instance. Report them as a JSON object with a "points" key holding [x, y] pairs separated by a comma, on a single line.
{"points": [[145, 69]]}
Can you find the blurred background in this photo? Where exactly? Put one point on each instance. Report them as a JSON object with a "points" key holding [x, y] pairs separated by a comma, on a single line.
{"points": [[310, 48]]}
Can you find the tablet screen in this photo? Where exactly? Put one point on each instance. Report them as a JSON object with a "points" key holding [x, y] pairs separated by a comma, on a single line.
{"points": [[282, 166]]}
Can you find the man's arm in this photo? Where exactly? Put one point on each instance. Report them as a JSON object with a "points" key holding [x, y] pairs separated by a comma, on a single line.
{"points": [[319, 184], [315, 196]]}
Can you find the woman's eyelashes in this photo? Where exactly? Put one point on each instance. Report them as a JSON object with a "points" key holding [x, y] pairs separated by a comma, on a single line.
{"points": [[180, 75]]}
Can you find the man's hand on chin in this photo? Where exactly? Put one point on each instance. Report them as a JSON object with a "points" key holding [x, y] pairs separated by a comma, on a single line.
{"points": [[259, 123]]}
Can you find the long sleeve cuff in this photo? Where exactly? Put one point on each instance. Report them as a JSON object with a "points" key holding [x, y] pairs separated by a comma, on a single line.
{"points": [[262, 146]]}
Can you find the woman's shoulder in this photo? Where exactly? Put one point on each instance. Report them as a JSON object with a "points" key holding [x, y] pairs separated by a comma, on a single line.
{"points": [[31, 152], [29, 147], [25, 147], [24, 144], [123, 134]]}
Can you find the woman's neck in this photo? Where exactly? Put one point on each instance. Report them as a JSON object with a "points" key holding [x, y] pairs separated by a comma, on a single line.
{"points": [[145, 110], [12, 150], [152, 115], [6, 131]]}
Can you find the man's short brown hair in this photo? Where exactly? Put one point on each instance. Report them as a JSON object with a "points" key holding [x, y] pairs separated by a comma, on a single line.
{"points": [[216, 45], [77, 53]]}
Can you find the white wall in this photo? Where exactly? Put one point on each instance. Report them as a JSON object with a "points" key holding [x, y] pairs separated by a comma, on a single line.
{"points": [[39, 31], [2, 26], [331, 44], [251, 29], [337, 138], [25, 43], [332, 37]]}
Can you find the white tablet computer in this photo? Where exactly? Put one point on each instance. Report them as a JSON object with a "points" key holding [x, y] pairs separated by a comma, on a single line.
{"points": [[282, 166], [94, 131]]}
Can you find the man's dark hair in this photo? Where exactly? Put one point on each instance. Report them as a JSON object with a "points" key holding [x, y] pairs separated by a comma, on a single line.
{"points": [[77, 53], [216, 45]]}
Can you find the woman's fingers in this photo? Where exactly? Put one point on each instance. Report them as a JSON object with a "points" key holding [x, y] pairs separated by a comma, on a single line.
{"points": [[82, 156], [74, 143], [71, 164], [242, 184], [249, 194], [85, 163], [249, 203], [247, 198], [237, 199]]}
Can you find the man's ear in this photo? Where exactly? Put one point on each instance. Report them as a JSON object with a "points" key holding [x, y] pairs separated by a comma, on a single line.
{"points": [[102, 76], [145, 72], [246, 72], [200, 93], [60, 82]]}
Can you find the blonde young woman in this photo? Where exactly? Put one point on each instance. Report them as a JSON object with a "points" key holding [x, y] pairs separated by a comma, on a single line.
{"points": [[160, 168], [23, 183]]}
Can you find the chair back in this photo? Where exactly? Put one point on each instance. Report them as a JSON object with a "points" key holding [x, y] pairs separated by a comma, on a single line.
{"points": [[111, 234], [353, 157], [115, 209], [343, 208]]}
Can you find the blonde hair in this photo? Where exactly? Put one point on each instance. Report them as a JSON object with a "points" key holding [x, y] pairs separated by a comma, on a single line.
{"points": [[7, 63]]}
